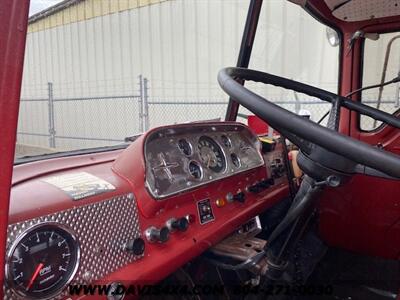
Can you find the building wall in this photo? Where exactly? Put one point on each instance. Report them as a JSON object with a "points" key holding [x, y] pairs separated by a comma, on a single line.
{"points": [[99, 48], [81, 10]]}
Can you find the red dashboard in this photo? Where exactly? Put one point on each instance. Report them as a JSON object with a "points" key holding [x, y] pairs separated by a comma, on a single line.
{"points": [[105, 201]]}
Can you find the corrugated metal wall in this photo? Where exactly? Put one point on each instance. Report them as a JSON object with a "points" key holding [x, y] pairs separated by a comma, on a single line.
{"points": [[179, 45]]}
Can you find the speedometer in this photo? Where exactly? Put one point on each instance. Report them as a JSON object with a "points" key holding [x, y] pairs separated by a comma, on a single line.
{"points": [[211, 154], [42, 261]]}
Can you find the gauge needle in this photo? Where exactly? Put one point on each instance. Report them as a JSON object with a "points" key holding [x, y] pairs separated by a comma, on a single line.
{"points": [[35, 274]]}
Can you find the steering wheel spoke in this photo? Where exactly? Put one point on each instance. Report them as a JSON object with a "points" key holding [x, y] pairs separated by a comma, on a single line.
{"points": [[334, 114]]}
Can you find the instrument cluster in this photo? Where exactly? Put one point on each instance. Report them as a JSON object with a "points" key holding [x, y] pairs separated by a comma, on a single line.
{"points": [[185, 157]]}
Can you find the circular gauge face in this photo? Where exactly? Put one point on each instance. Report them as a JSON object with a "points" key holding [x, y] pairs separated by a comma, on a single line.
{"points": [[185, 147], [226, 141], [235, 160], [211, 154], [195, 170], [42, 261]]}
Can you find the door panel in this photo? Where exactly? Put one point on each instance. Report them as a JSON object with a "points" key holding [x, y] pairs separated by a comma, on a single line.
{"points": [[363, 216]]}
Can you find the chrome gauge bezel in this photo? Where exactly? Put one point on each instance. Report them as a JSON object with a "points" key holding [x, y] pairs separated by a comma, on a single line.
{"points": [[8, 276], [221, 149], [190, 145], [227, 139], [200, 168], [237, 158]]}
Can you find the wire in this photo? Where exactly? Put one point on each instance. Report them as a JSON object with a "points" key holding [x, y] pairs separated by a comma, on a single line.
{"points": [[394, 80], [323, 117]]}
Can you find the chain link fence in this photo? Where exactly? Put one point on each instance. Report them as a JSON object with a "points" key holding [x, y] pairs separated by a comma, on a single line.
{"points": [[56, 123]]}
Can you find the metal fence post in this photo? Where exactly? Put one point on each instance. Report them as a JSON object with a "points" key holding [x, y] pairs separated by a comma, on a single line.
{"points": [[297, 105], [145, 104], [52, 130], [141, 102], [397, 100]]}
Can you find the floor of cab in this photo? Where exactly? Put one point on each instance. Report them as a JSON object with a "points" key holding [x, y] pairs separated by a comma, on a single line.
{"points": [[357, 277]]}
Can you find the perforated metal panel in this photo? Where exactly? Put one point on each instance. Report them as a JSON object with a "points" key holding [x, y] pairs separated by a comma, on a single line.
{"points": [[360, 10], [101, 230]]}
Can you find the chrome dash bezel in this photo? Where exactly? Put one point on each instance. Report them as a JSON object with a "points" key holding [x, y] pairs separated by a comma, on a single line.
{"points": [[164, 140]]}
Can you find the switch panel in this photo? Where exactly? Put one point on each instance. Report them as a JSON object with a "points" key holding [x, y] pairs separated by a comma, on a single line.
{"points": [[205, 211]]}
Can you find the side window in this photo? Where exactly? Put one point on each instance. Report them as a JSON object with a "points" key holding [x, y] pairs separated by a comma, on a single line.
{"points": [[381, 64]]}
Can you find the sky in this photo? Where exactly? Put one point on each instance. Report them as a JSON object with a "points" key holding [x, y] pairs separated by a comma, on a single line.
{"points": [[38, 5]]}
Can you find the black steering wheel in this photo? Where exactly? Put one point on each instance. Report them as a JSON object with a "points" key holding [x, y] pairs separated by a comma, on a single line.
{"points": [[323, 149]]}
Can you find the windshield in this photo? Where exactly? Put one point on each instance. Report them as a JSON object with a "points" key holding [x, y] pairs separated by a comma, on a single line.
{"points": [[97, 72], [293, 44]]}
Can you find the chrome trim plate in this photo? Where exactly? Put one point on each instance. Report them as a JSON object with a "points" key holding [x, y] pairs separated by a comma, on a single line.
{"points": [[101, 229], [167, 168]]}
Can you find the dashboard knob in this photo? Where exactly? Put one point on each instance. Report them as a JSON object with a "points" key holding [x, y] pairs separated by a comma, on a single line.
{"points": [[255, 188], [135, 246], [229, 197], [180, 224], [154, 234], [240, 197], [190, 218], [266, 183]]}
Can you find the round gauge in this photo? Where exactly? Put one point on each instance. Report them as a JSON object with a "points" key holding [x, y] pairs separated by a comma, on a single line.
{"points": [[195, 170], [211, 154], [42, 261], [185, 147], [235, 160], [226, 141]]}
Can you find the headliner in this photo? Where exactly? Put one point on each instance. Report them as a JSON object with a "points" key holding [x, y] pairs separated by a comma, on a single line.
{"points": [[362, 10], [354, 13]]}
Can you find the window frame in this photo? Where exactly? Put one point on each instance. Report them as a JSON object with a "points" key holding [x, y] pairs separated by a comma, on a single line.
{"points": [[360, 98]]}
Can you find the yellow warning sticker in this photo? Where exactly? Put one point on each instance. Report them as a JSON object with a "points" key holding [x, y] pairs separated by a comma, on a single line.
{"points": [[80, 185]]}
